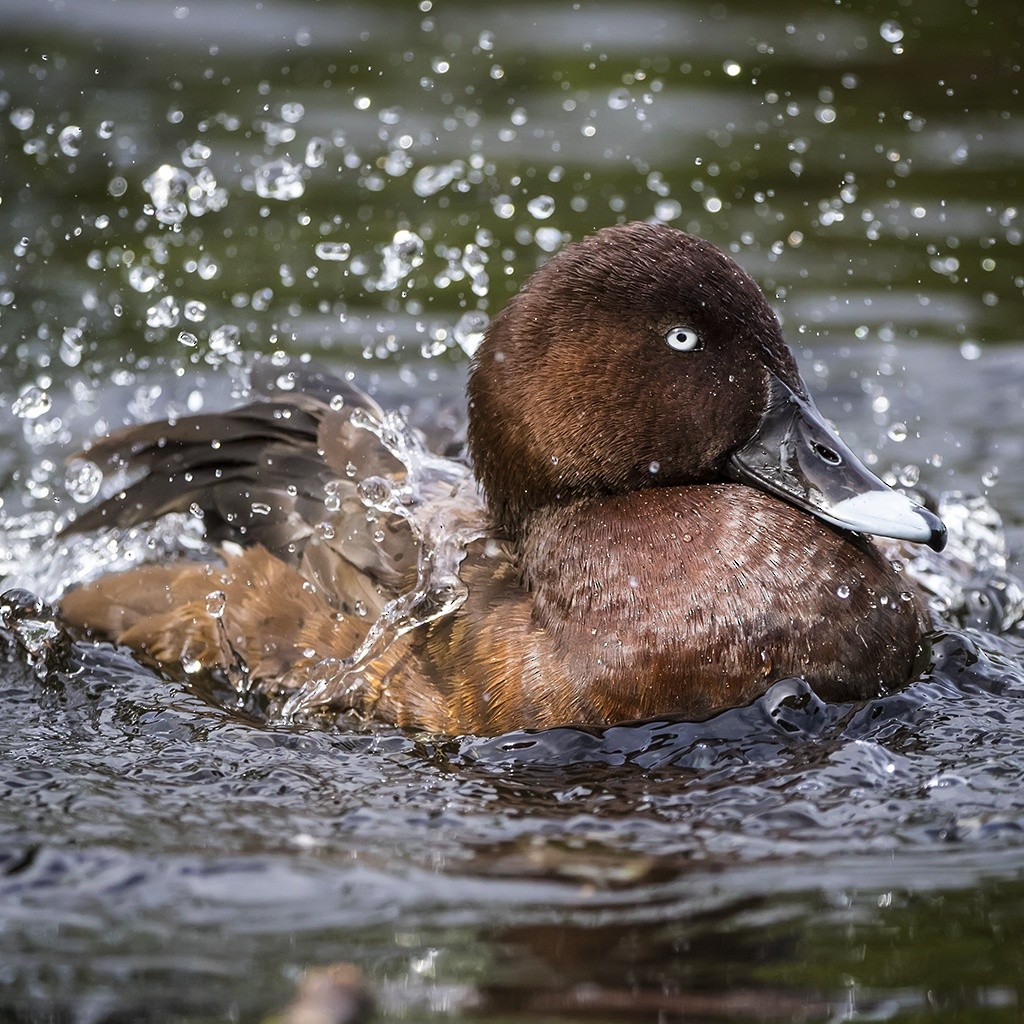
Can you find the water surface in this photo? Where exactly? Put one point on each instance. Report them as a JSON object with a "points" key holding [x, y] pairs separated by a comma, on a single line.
{"points": [[184, 185]]}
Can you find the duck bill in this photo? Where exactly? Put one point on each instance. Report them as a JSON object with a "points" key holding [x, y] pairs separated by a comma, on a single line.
{"points": [[797, 456]]}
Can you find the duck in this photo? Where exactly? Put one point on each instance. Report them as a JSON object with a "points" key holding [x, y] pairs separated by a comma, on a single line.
{"points": [[655, 520]]}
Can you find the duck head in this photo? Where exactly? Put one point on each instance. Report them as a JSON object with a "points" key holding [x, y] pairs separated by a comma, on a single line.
{"points": [[645, 357]]}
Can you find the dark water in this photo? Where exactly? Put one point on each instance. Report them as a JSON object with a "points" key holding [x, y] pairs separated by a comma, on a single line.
{"points": [[362, 183]]}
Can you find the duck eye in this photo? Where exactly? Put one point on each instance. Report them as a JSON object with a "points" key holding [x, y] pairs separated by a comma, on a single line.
{"points": [[684, 339]]}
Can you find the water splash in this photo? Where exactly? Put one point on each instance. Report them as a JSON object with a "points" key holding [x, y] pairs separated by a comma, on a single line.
{"points": [[279, 179], [469, 331], [35, 628], [336, 252], [83, 480], [175, 193], [31, 403], [968, 583], [70, 140], [399, 258], [35, 556], [430, 180], [439, 499]]}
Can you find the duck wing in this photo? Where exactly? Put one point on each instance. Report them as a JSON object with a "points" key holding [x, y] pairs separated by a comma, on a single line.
{"points": [[281, 473], [231, 465]]}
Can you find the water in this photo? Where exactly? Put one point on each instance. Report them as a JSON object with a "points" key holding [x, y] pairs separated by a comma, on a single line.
{"points": [[183, 185]]}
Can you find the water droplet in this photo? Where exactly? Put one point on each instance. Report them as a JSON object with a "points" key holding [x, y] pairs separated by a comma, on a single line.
{"points": [[188, 339], [541, 207], [316, 152], [897, 432], [143, 279], [362, 420], [195, 311], [22, 118], [430, 180], [434, 346], [548, 239], [83, 480], [168, 188], [909, 475], [70, 140], [71, 346], [402, 255], [667, 210], [224, 339], [375, 491], [843, 591], [503, 207], [31, 620], [205, 195], [474, 264], [990, 477], [216, 601], [196, 155], [165, 313], [279, 179], [396, 163], [333, 251], [31, 403], [469, 331], [891, 31], [619, 99]]}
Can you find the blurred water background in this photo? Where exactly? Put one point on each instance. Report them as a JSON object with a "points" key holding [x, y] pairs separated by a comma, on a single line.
{"points": [[183, 185]]}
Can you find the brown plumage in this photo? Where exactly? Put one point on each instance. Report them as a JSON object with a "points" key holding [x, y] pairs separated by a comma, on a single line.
{"points": [[626, 574]]}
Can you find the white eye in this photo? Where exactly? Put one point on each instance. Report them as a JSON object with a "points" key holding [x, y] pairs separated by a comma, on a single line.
{"points": [[684, 339]]}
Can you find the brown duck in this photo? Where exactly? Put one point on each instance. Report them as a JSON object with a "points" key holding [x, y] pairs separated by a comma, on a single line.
{"points": [[669, 524]]}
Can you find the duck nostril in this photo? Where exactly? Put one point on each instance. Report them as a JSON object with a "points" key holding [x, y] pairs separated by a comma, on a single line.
{"points": [[826, 454]]}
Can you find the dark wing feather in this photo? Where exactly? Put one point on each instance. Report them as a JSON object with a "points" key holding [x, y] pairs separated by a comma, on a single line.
{"points": [[262, 474]]}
